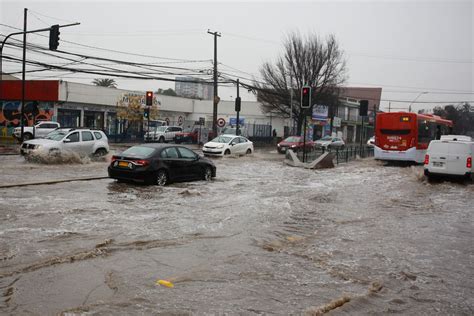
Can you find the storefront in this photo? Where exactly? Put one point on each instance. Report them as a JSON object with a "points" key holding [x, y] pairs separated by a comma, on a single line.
{"points": [[69, 117]]}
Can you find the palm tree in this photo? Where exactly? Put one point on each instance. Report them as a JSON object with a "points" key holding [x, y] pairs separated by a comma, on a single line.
{"points": [[110, 83]]}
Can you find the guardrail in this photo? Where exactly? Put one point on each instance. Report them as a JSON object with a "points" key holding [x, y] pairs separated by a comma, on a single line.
{"points": [[345, 154]]}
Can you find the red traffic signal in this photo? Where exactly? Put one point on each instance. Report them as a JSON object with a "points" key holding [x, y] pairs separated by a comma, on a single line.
{"points": [[306, 97], [149, 98]]}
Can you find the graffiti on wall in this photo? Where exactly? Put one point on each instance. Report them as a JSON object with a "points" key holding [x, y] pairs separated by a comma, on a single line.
{"points": [[10, 114]]}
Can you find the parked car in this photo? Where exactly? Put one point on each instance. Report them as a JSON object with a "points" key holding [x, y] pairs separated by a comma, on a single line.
{"points": [[330, 142], [40, 130], [191, 135], [162, 134], [226, 145], [160, 164], [85, 142], [295, 143], [231, 130], [371, 141], [451, 156]]}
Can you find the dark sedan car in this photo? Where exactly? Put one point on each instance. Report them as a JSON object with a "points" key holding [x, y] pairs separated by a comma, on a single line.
{"points": [[160, 164]]}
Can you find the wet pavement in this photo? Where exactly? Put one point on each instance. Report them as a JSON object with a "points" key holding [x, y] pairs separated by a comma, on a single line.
{"points": [[262, 238]]}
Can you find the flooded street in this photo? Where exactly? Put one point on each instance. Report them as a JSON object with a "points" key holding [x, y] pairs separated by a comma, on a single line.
{"points": [[262, 238]]}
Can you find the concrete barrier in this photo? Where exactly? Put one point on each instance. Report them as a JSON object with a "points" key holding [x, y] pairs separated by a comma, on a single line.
{"points": [[326, 160]]}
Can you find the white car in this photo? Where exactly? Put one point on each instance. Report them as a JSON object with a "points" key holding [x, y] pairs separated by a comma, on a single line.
{"points": [[228, 144], [451, 156], [162, 134], [371, 141], [84, 142], [330, 142], [40, 130]]}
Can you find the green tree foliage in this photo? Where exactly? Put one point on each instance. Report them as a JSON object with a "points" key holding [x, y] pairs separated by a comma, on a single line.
{"points": [[305, 61], [110, 83], [169, 91], [461, 115]]}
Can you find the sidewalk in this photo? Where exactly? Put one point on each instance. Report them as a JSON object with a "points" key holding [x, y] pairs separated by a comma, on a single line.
{"points": [[9, 149]]}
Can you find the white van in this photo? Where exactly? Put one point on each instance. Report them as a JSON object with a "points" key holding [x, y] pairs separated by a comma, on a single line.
{"points": [[450, 156]]}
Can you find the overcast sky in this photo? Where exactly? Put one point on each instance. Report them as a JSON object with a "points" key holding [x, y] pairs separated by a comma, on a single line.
{"points": [[412, 49]]}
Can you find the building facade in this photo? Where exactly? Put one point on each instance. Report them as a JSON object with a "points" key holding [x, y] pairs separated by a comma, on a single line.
{"points": [[190, 87]]}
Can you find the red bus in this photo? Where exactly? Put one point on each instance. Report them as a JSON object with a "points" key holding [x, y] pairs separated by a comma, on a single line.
{"points": [[403, 136]]}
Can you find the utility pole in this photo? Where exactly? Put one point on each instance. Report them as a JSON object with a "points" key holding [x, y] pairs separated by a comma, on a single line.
{"points": [[23, 79], [216, 98]]}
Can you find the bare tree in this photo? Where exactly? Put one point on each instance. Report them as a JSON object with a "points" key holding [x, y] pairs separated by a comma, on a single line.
{"points": [[310, 61]]}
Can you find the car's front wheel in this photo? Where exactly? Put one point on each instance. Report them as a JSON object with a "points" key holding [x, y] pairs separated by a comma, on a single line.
{"points": [[100, 152], [161, 178], [207, 174], [161, 140], [227, 152], [27, 136], [249, 151]]}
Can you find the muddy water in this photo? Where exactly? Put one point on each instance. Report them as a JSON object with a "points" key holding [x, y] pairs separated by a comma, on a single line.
{"points": [[262, 238]]}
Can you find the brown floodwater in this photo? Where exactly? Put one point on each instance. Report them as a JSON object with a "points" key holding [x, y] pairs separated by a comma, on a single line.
{"points": [[262, 238]]}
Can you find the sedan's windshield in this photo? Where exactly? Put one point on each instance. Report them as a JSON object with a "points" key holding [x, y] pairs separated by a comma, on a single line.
{"points": [[221, 139], [138, 152], [326, 138], [57, 135]]}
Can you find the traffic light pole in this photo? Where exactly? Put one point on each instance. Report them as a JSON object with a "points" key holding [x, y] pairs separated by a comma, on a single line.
{"points": [[237, 131], [23, 62], [304, 135]]}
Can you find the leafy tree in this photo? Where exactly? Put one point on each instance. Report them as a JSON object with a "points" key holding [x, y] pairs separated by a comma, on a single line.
{"points": [[110, 83], [305, 61], [461, 115], [168, 91], [131, 113]]}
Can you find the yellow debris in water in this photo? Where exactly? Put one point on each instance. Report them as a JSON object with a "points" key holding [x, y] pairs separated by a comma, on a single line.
{"points": [[165, 283]]}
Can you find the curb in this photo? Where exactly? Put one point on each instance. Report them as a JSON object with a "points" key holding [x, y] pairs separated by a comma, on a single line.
{"points": [[51, 182]]}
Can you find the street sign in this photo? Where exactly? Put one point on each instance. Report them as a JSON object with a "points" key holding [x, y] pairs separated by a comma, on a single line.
{"points": [[220, 122], [336, 121], [202, 120], [233, 121]]}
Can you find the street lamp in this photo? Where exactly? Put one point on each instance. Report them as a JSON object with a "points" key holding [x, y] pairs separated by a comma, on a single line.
{"points": [[419, 95]]}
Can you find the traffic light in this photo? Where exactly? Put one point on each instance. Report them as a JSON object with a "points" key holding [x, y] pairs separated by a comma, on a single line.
{"points": [[306, 97], [149, 98], [146, 113], [54, 37], [364, 107], [238, 102]]}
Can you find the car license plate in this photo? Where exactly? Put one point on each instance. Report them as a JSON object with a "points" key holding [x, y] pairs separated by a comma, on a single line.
{"points": [[437, 164], [123, 164]]}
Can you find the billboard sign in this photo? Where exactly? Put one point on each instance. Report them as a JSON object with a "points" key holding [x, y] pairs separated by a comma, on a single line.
{"points": [[320, 112]]}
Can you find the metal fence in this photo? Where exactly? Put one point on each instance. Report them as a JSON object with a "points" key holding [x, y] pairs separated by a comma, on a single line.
{"points": [[345, 154]]}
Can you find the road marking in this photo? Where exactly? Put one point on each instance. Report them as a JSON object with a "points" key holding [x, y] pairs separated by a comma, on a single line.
{"points": [[11, 185]]}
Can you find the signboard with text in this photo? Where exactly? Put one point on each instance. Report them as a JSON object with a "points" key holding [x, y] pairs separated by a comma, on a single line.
{"points": [[320, 112]]}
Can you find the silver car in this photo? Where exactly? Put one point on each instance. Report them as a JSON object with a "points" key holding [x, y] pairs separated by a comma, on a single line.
{"points": [[84, 142], [330, 142]]}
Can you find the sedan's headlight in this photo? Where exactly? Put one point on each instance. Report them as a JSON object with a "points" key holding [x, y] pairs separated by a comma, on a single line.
{"points": [[38, 146], [220, 146]]}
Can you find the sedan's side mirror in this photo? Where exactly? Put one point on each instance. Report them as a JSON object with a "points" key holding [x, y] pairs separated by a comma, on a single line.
{"points": [[67, 140]]}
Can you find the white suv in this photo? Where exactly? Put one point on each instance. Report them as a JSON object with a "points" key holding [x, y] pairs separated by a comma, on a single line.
{"points": [[84, 142], [40, 130], [163, 134]]}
